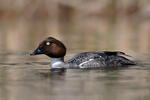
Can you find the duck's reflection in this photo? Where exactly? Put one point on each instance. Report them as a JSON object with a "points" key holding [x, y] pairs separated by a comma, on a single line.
{"points": [[52, 72]]}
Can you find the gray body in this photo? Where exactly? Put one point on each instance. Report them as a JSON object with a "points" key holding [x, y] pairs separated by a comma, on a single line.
{"points": [[95, 60]]}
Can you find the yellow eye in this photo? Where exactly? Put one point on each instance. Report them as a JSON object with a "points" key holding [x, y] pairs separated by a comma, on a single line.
{"points": [[48, 43]]}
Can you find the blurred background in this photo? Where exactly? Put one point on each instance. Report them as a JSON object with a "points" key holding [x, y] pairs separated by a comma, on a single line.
{"points": [[81, 24]]}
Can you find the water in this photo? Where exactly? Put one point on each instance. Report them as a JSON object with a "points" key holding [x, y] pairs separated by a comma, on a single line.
{"points": [[27, 78], [97, 25]]}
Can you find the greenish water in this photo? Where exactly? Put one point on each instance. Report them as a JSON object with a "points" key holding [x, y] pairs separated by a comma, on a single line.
{"points": [[27, 78]]}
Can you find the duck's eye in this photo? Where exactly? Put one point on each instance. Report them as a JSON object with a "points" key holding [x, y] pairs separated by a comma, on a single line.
{"points": [[48, 43]]}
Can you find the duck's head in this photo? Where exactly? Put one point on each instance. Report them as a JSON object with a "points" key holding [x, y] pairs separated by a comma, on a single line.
{"points": [[51, 47]]}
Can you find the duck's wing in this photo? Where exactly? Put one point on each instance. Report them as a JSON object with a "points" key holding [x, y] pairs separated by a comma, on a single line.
{"points": [[100, 59], [107, 59], [83, 57], [118, 61], [116, 53], [93, 63]]}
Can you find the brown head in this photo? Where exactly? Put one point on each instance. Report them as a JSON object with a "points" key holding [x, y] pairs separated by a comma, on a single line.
{"points": [[51, 47]]}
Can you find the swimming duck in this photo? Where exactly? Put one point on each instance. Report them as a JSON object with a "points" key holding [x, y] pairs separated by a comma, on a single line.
{"points": [[56, 50]]}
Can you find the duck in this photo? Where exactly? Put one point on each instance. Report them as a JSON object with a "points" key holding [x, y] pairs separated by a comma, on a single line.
{"points": [[56, 50]]}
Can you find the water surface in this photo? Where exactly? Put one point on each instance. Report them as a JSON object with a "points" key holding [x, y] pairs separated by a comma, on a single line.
{"points": [[27, 78]]}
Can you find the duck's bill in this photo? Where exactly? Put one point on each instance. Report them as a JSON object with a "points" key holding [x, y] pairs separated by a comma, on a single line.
{"points": [[36, 52]]}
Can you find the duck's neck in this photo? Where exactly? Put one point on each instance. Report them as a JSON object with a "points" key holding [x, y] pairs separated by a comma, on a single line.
{"points": [[57, 62]]}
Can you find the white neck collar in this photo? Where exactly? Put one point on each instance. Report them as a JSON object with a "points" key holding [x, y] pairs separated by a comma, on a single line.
{"points": [[57, 62]]}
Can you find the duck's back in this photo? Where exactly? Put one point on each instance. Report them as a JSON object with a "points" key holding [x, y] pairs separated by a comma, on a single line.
{"points": [[99, 59]]}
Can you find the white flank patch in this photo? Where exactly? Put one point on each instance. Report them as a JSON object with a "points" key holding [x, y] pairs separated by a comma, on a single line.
{"points": [[84, 63]]}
